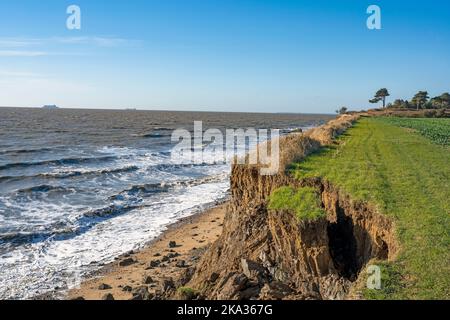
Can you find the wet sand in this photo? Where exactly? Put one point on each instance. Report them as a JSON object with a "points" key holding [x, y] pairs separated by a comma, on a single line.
{"points": [[191, 235]]}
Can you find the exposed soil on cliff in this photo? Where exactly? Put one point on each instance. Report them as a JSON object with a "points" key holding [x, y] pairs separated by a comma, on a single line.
{"points": [[271, 254]]}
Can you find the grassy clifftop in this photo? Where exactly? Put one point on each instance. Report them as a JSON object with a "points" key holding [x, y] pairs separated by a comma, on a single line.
{"points": [[402, 167], [304, 202]]}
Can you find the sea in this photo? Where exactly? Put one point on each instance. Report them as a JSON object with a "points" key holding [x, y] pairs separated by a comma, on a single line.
{"points": [[78, 187]]}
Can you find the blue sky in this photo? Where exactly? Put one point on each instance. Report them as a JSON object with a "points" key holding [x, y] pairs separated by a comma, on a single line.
{"points": [[227, 55]]}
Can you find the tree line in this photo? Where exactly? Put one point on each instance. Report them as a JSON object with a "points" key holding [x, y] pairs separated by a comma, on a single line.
{"points": [[421, 100]]}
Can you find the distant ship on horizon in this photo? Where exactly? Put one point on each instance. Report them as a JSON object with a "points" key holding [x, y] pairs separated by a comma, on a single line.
{"points": [[50, 106]]}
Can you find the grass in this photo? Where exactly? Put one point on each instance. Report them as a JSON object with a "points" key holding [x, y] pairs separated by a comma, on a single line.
{"points": [[187, 292], [405, 174], [305, 202]]}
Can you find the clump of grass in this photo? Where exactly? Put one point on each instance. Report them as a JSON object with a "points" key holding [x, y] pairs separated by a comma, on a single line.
{"points": [[187, 293], [304, 202]]}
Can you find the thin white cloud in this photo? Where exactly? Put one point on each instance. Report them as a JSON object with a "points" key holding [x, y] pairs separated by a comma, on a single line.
{"points": [[65, 46], [96, 41], [18, 42], [18, 74], [87, 40], [22, 53]]}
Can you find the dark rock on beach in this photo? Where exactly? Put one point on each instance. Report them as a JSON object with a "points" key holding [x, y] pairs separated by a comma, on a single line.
{"points": [[173, 255], [167, 284], [104, 286], [172, 244], [141, 293], [181, 264], [154, 263], [127, 289], [147, 279], [108, 296], [127, 262]]}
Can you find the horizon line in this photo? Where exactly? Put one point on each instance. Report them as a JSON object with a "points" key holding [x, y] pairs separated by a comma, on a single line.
{"points": [[164, 110]]}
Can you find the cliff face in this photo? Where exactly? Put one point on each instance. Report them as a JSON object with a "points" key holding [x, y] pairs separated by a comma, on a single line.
{"points": [[272, 255]]}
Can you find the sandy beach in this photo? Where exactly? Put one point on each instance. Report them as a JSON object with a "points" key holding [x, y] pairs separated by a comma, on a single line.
{"points": [[165, 258]]}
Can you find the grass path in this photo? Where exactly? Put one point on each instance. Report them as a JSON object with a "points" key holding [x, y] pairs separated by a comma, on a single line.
{"points": [[406, 176]]}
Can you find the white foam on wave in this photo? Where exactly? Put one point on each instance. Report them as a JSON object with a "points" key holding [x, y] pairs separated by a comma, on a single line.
{"points": [[46, 212], [41, 267]]}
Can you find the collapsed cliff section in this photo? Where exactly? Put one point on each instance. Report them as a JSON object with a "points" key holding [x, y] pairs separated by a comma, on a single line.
{"points": [[329, 253], [270, 254]]}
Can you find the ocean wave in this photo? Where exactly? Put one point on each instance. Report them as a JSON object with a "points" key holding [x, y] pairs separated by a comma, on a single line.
{"points": [[85, 173], [154, 135], [152, 188], [163, 129], [110, 211], [59, 162], [157, 133], [148, 188], [70, 174], [19, 238], [64, 230], [24, 151], [44, 189], [169, 166]]}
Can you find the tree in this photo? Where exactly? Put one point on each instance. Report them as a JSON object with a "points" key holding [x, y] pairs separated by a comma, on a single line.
{"points": [[445, 97], [436, 103], [420, 99], [441, 102], [342, 110], [400, 104], [380, 95]]}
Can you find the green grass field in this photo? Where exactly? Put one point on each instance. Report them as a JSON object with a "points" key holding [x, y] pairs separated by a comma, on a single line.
{"points": [[405, 174]]}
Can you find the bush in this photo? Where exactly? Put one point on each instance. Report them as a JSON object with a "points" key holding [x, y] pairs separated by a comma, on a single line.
{"points": [[430, 113]]}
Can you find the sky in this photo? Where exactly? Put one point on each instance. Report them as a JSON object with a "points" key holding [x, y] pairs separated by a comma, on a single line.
{"points": [[221, 55]]}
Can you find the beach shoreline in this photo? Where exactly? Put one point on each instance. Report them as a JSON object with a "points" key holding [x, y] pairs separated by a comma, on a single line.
{"points": [[163, 260]]}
